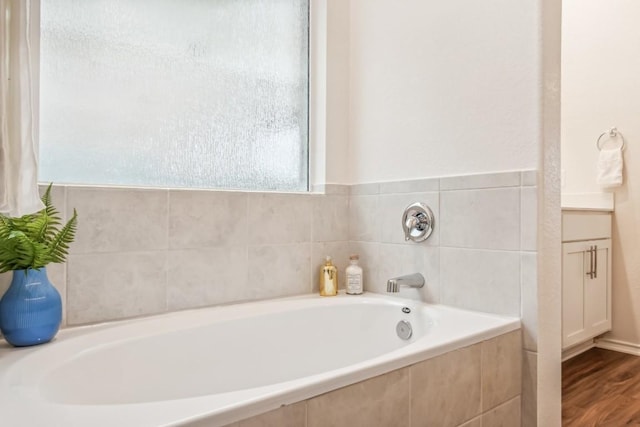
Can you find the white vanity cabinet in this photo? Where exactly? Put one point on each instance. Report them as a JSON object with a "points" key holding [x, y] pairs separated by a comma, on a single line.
{"points": [[586, 276]]}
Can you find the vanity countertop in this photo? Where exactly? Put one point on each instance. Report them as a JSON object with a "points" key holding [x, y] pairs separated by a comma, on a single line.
{"points": [[602, 202]]}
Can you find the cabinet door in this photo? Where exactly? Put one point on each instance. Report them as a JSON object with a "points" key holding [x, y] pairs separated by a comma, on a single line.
{"points": [[586, 297], [575, 264], [597, 290]]}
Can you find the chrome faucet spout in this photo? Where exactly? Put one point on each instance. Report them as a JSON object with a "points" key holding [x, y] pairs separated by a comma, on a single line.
{"points": [[415, 280]]}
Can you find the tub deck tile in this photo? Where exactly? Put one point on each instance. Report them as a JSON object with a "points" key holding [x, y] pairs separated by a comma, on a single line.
{"points": [[288, 416], [445, 390], [381, 401], [501, 369]]}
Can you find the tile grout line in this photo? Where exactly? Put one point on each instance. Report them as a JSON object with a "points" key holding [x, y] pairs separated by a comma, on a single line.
{"points": [[410, 394], [66, 266], [312, 235], [245, 243], [440, 281], [520, 206], [166, 253], [482, 345]]}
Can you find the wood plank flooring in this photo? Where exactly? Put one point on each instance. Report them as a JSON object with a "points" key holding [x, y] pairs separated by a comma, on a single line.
{"points": [[601, 388]]}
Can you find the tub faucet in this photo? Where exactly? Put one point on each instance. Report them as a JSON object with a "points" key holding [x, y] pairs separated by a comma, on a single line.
{"points": [[415, 280]]}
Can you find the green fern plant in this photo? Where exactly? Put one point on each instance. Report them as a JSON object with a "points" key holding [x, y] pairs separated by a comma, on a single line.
{"points": [[35, 240]]}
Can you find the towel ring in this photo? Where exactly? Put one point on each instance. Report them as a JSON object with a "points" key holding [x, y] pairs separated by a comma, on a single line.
{"points": [[613, 132]]}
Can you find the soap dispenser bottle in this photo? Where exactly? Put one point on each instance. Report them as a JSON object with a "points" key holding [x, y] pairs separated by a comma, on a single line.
{"points": [[328, 279], [354, 276]]}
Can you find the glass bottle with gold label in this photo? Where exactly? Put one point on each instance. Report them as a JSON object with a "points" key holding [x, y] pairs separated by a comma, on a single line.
{"points": [[328, 279]]}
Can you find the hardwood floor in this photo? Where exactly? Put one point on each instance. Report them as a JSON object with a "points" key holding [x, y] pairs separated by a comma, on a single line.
{"points": [[601, 388]]}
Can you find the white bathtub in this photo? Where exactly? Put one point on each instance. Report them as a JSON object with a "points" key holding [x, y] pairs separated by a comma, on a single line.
{"points": [[224, 364]]}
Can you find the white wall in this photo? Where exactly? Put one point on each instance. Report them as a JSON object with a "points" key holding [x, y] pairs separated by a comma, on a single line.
{"points": [[329, 87], [462, 87], [338, 94], [548, 369], [601, 67], [442, 88]]}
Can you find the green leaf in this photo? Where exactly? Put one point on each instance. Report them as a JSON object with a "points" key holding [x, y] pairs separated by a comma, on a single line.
{"points": [[62, 240], [40, 228], [34, 240], [48, 204]]}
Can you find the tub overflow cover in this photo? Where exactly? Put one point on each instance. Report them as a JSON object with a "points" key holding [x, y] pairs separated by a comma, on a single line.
{"points": [[404, 329]]}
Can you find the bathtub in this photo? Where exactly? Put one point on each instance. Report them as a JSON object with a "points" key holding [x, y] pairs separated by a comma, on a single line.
{"points": [[227, 363]]}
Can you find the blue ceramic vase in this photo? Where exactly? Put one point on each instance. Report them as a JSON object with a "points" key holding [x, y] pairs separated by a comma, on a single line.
{"points": [[31, 309]]}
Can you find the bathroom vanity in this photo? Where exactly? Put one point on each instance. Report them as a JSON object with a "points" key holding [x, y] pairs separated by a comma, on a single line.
{"points": [[586, 274]]}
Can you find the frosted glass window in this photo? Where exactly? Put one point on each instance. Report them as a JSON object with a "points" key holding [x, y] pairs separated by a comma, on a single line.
{"points": [[175, 93]]}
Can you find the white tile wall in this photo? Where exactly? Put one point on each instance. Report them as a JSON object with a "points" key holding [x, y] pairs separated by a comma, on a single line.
{"points": [[484, 223], [118, 219], [279, 270], [528, 227], [479, 279], [414, 186], [143, 251], [331, 189], [529, 178], [489, 180], [206, 219], [364, 221], [147, 251], [481, 219], [330, 219], [365, 189], [529, 311], [279, 218], [207, 276], [104, 286]]}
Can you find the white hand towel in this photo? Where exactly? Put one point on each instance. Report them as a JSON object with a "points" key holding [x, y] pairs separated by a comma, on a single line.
{"points": [[610, 168]]}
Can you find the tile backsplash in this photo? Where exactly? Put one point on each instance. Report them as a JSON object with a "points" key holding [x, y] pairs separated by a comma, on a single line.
{"points": [[481, 255], [148, 251]]}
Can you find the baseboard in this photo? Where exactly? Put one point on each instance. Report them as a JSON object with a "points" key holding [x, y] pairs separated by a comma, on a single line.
{"points": [[617, 345], [577, 349]]}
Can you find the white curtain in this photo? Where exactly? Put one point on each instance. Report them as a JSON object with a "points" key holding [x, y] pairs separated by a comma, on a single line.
{"points": [[19, 90]]}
